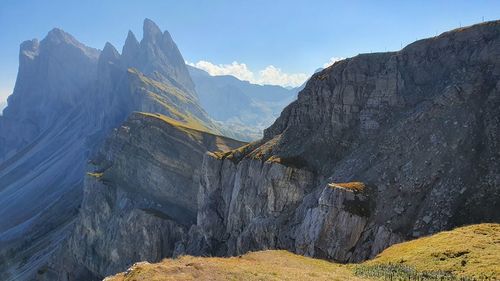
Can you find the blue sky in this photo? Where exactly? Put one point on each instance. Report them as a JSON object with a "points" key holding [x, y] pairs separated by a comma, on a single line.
{"points": [[264, 41]]}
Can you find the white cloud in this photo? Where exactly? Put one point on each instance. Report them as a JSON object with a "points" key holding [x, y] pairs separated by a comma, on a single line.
{"points": [[270, 75], [332, 61], [274, 76]]}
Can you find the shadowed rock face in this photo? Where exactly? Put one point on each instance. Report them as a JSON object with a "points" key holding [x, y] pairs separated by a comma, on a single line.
{"points": [[67, 98], [140, 198], [418, 127]]}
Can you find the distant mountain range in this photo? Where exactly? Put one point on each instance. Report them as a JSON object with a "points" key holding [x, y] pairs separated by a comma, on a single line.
{"points": [[245, 109]]}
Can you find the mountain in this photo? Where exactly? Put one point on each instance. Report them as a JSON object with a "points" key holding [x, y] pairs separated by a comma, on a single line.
{"points": [[243, 108], [140, 198], [377, 149], [67, 98]]}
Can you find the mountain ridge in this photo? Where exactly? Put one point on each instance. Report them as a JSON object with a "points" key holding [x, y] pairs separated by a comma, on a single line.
{"points": [[67, 98]]}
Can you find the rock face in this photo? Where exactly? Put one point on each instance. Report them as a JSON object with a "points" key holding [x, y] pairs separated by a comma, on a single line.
{"points": [[140, 198], [377, 149], [67, 98]]}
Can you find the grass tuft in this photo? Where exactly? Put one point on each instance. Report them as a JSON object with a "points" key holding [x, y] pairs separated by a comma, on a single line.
{"points": [[355, 186]]}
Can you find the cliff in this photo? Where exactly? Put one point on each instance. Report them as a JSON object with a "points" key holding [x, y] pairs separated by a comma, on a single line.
{"points": [[67, 98], [377, 149], [140, 198]]}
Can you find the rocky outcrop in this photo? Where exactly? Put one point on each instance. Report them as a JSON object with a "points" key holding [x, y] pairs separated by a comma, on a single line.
{"points": [[377, 149], [139, 198]]}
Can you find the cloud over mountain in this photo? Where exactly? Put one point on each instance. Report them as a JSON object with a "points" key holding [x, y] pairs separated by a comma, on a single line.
{"points": [[270, 75]]}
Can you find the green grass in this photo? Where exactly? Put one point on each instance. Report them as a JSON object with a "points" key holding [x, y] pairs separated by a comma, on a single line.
{"points": [[404, 272]]}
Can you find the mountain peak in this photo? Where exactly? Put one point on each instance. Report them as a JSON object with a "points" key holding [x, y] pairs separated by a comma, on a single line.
{"points": [[150, 30], [131, 38], [131, 47], [58, 35], [109, 52], [29, 48]]}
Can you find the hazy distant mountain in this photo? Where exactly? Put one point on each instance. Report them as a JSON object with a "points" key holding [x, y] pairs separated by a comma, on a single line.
{"points": [[245, 108], [67, 98]]}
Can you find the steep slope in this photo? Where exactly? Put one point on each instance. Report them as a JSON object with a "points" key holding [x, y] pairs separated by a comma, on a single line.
{"points": [[461, 254], [66, 99], [244, 108], [377, 149], [140, 198]]}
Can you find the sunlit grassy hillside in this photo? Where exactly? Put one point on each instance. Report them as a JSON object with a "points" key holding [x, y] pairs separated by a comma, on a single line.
{"points": [[470, 252], [466, 253], [264, 265]]}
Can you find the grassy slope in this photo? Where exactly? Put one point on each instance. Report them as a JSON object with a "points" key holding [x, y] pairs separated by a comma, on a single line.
{"points": [[445, 252], [470, 251], [264, 265]]}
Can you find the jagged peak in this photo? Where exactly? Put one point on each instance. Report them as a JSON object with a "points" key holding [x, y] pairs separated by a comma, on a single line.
{"points": [[58, 36], [109, 52], [30, 44], [167, 36], [150, 30], [131, 40], [29, 48], [131, 45]]}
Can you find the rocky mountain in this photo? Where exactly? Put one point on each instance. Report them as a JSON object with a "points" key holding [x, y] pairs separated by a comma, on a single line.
{"points": [[67, 98], [140, 198], [243, 108], [377, 149]]}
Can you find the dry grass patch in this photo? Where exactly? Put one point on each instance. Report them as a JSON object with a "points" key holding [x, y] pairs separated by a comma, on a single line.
{"points": [[470, 252], [95, 175], [264, 265], [352, 186]]}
